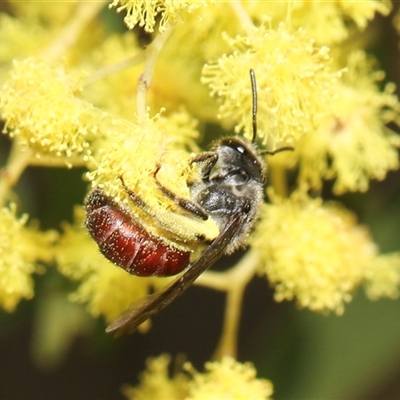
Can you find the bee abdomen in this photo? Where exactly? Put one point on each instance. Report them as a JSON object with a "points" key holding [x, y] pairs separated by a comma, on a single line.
{"points": [[123, 240]]}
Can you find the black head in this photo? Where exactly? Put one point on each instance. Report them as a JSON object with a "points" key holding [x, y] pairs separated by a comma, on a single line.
{"points": [[238, 156]]}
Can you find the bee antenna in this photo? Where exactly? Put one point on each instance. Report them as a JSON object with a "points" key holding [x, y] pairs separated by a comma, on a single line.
{"points": [[278, 150], [254, 107]]}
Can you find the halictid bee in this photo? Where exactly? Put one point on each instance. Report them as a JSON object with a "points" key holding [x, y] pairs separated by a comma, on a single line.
{"points": [[230, 192]]}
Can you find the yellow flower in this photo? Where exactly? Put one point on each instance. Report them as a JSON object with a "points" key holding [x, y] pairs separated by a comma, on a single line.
{"points": [[363, 12], [231, 380], [354, 145], [181, 129], [225, 379], [48, 12], [144, 12], [313, 252], [328, 22], [155, 383], [133, 152], [294, 83], [21, 249], [382, 278], [41, 110], [20, 39]]}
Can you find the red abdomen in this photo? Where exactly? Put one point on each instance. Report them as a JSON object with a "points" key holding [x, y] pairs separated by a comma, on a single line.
{"points": [[123, 241]]}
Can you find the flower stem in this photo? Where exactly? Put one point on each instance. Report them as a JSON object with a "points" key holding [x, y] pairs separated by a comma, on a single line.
{"points": [[17, 162], [234, 282], [246, 22], [144, 81], [85, 12], [113, 69]]}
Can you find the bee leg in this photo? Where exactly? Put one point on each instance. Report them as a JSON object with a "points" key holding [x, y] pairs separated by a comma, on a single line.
{"points": [[133, 196], [186, 204], [163, 220], [209, 159]]}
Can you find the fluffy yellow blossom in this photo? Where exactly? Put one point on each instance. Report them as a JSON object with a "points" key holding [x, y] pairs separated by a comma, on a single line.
{"points": [[156, 384], [40, 108], [231, 380], [106, 289], [313, 253], [322, 20], [181, 129], [382, 278], [354, 145], [178, 70], [21, 248], [327, 21], [363, 12], [133, 152], [47, 12], [144, 12], [225, 379], [19, 39], [41, 29], [294, 83]]}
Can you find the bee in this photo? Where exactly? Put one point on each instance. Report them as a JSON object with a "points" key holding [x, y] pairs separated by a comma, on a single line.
{"points": [[230, 191]]}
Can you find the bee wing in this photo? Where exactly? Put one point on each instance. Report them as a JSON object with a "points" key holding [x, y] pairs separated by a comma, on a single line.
{"points": [[147, 306]]}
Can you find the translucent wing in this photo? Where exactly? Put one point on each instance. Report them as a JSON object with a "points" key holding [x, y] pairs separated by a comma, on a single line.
{"points": [[146, 307]]}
